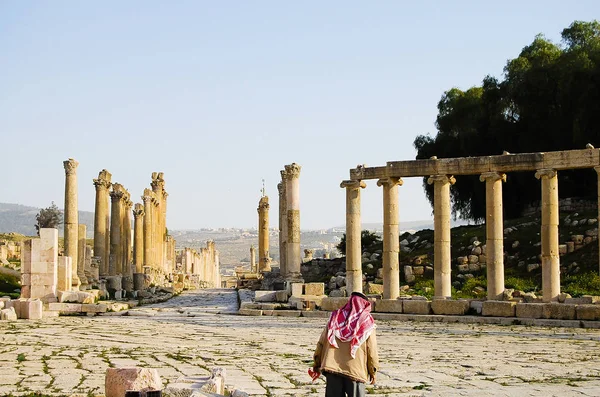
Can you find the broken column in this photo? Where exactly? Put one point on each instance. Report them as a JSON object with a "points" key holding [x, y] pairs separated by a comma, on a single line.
{"points": [[294, 256], [82, 232], [282, 226], [138, 239], [102, 219], [253, 267], [441, 220], [264, 261], [353, 235], [71, 217], [550, 258], [391, 242], [494, 233]]}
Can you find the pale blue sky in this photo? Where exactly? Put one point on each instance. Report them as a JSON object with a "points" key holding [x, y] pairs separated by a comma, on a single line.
{"points": [[219, 95]]}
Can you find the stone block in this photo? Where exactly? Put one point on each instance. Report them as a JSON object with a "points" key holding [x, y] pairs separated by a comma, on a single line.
{"points": [[1, 305], [64, 273], [416, 306], [297, 289], [560, 311], [65, 308], [8, 314], [281, 296], [265, 296], [91, 308], [268, 306], [418, 270], [583, 300], [119, 380], [588, 312], [50, 314], [331, 304], [498, 309], [46, 293], [118, 307], [287, 313], [32, 309], [388, 306], [373, 289], [314, 289], [450, 307], [250, 312]]}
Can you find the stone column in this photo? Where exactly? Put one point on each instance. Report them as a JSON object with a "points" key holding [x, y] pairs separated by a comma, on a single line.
{"points": [[441, 219], [127, 240], [391, 237], [253, 259], [494, 233], [165, 245], [294, 256], [147, 199], [353, 236], [71, 217], [282, 226], [264, 261], [598, 172], [550, 258], [138, 239], [101, 217], [158, 184], [81, 234], [116, 248]]}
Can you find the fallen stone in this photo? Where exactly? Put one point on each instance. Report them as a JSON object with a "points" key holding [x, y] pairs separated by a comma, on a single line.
{"points": [[119, 380]]}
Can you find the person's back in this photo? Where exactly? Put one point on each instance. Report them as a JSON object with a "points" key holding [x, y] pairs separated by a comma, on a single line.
{"points": [[347, 349]]}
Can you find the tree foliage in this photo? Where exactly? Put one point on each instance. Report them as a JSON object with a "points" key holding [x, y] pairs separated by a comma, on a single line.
{"points": [[49, 217], [549, 100], [367, 239]]}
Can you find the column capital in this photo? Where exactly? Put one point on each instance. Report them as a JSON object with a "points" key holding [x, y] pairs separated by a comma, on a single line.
{"points": [[597, 169], [494, 176], [280, 188], [441, 178], [292, 171], [549, 173], [70, 166], [353, 184], [117, 192], [263, 203], [138, 211], [390, 181]]}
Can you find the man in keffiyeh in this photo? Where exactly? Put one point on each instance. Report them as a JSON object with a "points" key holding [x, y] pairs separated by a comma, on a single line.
{"points": [[347, 349]]}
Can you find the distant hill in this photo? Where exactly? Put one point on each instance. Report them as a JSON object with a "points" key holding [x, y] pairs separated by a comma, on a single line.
{"points": [[21, 219]]}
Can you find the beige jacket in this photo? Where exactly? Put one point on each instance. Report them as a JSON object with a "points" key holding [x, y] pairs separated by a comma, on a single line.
{"points": [[360, 368]]}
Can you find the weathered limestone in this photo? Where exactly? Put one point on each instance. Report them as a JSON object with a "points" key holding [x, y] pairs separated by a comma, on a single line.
{"points": [[550, 257], [82, 232], [127, 240], [253, 259], [102, 220], [391, 243], [353, 235], [441, 215], [39, 259], [158, 184], [64, 273], [292, 188], [147, 199], [282, 225], [264, 261], [494, 231], [138, 240], [119, 380], [71, 216], [116, 246]]}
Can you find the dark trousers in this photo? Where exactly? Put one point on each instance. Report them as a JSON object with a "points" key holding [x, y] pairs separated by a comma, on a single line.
{"points": [[341, 386]]}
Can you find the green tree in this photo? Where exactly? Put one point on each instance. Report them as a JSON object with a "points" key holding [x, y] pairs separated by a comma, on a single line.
{"points": [[49, 217], [367, 239], [548, 100]]}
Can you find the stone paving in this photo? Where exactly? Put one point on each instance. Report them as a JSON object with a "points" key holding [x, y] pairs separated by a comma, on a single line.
{"points": [[269, 356]]}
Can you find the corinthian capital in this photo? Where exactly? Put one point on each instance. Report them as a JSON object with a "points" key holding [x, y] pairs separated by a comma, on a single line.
{"points": [[292, 171], [103, 180], [70, 166], [117, 191], [138, 211], [263, 203]]}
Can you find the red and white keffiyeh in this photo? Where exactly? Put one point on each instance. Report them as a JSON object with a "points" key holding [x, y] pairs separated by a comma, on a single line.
{"points": [[352, 323]]}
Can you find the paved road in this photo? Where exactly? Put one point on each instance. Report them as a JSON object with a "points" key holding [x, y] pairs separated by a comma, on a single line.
{"points": [[270, 355]]}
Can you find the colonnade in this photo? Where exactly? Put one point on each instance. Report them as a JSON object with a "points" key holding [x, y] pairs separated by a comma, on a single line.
{"points": [[203, 263], [440, 173]]}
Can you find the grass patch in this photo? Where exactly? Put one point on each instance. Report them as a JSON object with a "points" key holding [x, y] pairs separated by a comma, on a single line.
{"points": [[21, 357]]}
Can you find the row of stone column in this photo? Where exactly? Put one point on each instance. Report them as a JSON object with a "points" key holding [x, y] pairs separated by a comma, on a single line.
{"points": [[290, 257], [203, 262], [442, 254]]}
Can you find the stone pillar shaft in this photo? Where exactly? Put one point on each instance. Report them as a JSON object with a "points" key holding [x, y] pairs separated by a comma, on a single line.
{"points": [[441, 219], [81, 235], [71, 217], [494, 232], [391, 242], [264, 261], [138, 239], [101, 219], [116, 247], [147, 199], [550, 258], [294, 255], [353, 236], [282, 225], [253, 260]]}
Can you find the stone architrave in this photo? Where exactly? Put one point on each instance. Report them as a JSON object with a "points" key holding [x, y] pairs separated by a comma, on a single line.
{"points": [[353, 235], [494, 233], [147, 199], [550, 257], [82, 234], [116, 247], [253, 259], [441, 219], [391, 242], [282, 225], [101, 219], [71, 217], [264, 261], [138, 239], [294, 255]]}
